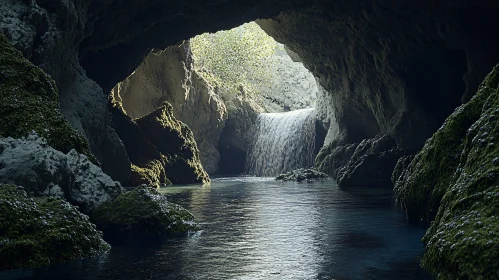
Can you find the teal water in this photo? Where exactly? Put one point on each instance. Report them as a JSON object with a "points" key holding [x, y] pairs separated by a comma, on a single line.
{"points": [[257, 228]]}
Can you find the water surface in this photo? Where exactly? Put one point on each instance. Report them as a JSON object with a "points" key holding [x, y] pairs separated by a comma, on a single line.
{"points": [[257, 228]]}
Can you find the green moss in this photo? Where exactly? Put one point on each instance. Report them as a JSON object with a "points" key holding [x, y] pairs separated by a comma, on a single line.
{"points": [[143, 210], [29, 102], [428, 177], [463, 241], [42, 231]]}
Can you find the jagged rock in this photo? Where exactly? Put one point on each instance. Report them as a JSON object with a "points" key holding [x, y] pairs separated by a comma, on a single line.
{"points": [[421, 186], [302, 174], [369, 163], [41, 231], [456, 173], [175, 141], [43, 171], [169, 76], [143, 210], [29, 102], [48, 33], [162, 149]]}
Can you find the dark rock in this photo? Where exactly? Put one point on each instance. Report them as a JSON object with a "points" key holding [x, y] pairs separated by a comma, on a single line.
{"points": [[162, 149], [455, 174], [143, 210], [369, 163], [302, 174], [41, 231]]}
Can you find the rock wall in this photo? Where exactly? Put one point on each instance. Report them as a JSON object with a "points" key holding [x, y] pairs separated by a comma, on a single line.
{"points": [[169, 76], [453, 181]]}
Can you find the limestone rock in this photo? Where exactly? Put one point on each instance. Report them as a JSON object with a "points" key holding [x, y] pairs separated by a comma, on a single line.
{"points": [[302, 174], [30, 162], [143, 210], [174, 140], [169, 76], [48, 33], [41, 231]]}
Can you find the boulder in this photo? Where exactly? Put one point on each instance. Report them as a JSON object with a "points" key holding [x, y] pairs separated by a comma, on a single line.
{"points": [[303, 174], [41, 231], [43, 171], [143, 210]]}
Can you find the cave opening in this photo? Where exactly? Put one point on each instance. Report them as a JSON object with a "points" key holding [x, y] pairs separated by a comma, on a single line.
{"points": [[223, 85]]}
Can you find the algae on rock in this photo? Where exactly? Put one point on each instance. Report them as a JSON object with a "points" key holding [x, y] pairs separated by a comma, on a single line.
{"points": [[41, 231], [143, 210], [457, 172], [29, 102], [420, 187]]}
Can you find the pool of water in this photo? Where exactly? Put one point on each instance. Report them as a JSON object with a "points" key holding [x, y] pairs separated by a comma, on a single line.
{"points": [[257, 228]]}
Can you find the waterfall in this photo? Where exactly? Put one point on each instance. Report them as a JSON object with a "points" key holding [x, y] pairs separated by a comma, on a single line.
{"points": [[282, 142]]}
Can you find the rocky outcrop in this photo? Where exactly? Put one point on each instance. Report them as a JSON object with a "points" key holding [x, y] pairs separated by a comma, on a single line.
{"points": [[143, 210], [169, 76], [162, 149], [41, 231], [29, 102], [455, 177], [30, 162], [369, 163], [49, 34], [299, 175]]}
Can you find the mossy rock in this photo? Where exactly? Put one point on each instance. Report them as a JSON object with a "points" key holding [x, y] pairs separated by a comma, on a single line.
{"points": [[29, 102], [143, 210], [41, 231], [463, 241], [420, 187]]}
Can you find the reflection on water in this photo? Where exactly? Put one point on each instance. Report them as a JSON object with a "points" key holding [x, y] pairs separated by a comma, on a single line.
{"points": [[256, 228]]}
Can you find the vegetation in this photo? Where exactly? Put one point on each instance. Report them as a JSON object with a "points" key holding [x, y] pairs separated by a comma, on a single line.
{"points": [[29, 102], [238, 59], [143, 210], [42, 231]]}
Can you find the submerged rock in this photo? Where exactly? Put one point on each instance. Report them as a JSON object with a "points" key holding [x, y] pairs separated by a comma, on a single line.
{"points": [[457, 173], [143, 210], [43, 171], [41, 231], [302, 174]]}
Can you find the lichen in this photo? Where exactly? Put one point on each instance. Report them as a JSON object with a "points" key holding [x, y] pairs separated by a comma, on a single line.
{"points": [[41, 231], [424, 182], [29, 102], [143, 210]]}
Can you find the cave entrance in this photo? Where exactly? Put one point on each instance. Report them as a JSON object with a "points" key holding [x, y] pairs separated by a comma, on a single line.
{"points": [[218, 84]]}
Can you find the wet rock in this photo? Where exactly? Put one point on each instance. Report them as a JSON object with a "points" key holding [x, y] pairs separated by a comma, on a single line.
{"points": [[369, 163], [41, 231], [43, 171], [143, 210], [453, 179], [302, 174]]}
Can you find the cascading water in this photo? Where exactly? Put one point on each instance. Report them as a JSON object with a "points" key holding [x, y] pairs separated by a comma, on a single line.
{"points": [[282, 142]]}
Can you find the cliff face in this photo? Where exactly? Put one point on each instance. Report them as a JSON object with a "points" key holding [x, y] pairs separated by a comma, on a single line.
{"points": [[169, 76]]}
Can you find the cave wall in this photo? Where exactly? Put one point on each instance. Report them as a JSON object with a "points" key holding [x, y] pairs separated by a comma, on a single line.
{"points": [[392, 67]]}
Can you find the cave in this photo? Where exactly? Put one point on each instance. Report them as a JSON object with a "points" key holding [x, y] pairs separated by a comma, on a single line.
{"points": [[405, 115]]}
